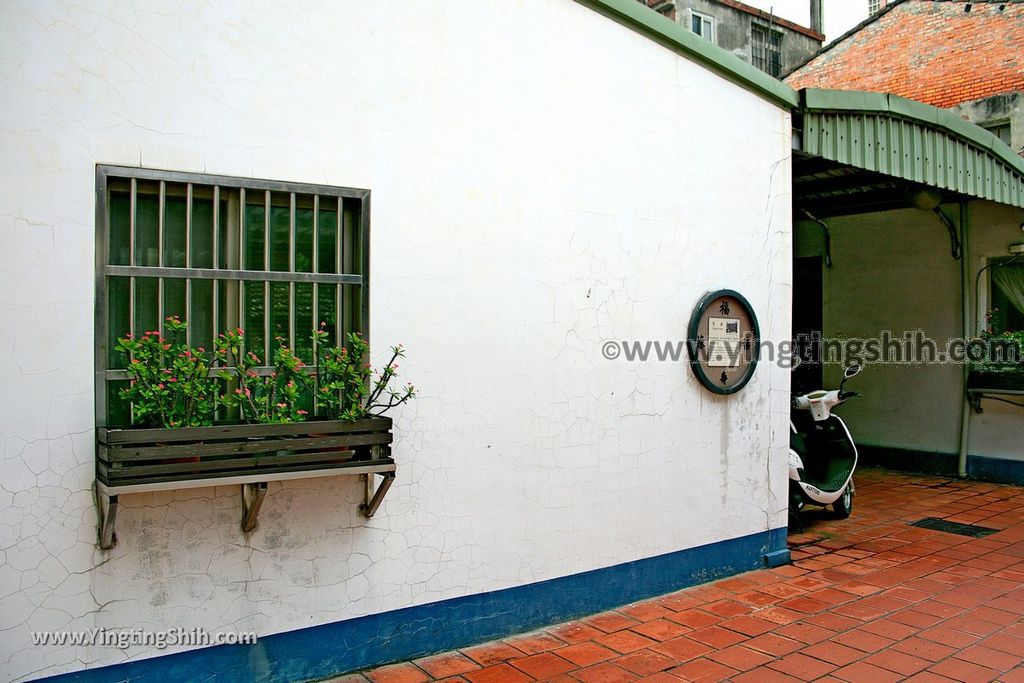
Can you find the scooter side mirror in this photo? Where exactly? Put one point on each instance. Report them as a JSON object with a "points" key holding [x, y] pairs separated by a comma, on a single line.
{"points": [[852, 370]]}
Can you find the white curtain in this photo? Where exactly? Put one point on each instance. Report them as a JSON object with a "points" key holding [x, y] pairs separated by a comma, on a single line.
{"points": [[1010, 280]]}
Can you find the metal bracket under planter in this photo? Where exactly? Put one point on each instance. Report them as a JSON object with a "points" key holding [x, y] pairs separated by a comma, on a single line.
{"points": [[140, 461], [981, 385]]}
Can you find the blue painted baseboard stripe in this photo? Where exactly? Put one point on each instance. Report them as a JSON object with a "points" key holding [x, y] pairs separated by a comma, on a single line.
{"points": [[331, 649]]}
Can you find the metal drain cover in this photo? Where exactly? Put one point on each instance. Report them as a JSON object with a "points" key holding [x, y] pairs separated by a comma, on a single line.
{"points": [[972, 530]]}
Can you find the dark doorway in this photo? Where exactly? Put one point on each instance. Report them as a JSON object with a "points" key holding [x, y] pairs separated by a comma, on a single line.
{"points": [[808, 303]]}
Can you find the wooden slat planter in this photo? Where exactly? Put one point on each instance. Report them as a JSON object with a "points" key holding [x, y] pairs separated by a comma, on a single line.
{"points": [[132, 460], [994, 381], [990, 384], [150, 456]]}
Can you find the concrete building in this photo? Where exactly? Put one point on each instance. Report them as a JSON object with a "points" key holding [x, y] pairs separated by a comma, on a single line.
{"points": [[772, 44], [964, 56], [517, 155], [536, 479]]}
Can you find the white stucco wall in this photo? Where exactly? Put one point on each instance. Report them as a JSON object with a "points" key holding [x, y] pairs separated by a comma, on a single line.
{"points": [[543, 179], [893, 271]]}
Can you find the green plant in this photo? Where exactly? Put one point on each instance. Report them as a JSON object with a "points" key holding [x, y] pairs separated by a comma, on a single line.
{"points": [[169, 381], [347, 386], [1005, 348], [262, 398]]}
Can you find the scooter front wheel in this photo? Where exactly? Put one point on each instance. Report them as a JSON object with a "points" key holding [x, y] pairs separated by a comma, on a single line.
{"points": [[844, 504]]}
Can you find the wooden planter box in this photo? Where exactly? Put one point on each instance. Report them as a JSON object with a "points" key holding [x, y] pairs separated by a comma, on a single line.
{"points": [[995, 381], [138, 460], [129, 457]]}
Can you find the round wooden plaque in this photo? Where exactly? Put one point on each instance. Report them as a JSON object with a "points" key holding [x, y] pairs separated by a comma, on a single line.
{"points": [[723, 341]]}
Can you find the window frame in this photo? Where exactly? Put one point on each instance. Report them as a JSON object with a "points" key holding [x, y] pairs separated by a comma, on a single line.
{"points": [[996, 126], [694, 14], [104, 270], [768, 48], [990, 294]]}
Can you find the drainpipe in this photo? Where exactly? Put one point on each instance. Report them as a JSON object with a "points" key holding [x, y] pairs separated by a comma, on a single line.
{"points": [[965, 290]]}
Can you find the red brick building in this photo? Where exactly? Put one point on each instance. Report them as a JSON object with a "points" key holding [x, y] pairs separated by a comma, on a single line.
{"points": [[965, 56]]}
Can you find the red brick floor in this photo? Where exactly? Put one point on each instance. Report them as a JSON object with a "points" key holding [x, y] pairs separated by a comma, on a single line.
{"points": [[866, 599]]}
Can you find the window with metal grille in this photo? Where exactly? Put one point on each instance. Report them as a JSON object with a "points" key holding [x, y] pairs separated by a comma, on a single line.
{"points": [[273, 258], [766, 49], [874, 6]]}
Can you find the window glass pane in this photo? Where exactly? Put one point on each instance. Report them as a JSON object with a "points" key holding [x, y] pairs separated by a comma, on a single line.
{"points": [[695, 24], [119, 411], [227, 305], [253, 322], [147, 305], [202, 228], [280, 232], [118, 318], [147, 224], [227, 235], [1006, 316], [200, 320], [351, 259], [279, 306], [327, 231], [349, 309], [254, 234], [304, 321], [175, 207], [119, 209], [327, 310], [304, 235], [174, 299]]}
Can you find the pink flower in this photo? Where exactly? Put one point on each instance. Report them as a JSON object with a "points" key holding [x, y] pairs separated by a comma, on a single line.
{"points": [[173, 379], [239, 392], [302, 412], [247, 392], [159, 386], [282, 405]]}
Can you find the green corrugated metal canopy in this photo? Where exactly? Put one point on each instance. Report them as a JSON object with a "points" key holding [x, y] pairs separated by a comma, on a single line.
{"points": [[858, 151]]}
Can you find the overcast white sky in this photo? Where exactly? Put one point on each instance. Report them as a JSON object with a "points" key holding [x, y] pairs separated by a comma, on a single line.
{"points": [[840, 15]]}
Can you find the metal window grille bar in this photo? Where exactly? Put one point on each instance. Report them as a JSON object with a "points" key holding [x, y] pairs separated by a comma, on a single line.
{"points": [[162, 206], [292, 246], [238, 275], [266, 283], [215, 250]]}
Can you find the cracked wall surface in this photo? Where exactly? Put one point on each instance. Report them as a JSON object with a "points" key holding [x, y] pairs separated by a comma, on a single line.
{"points": [[543, 180]]}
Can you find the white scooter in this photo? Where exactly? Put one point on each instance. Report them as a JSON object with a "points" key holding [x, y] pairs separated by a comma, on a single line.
{"points": [[822, 455]]}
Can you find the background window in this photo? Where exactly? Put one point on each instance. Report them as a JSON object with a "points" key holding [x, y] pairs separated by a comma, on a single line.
{"points": [[1007, 297], [275, 259], [703, 25], [1001, 129], [874, 6], [766, 49]]}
